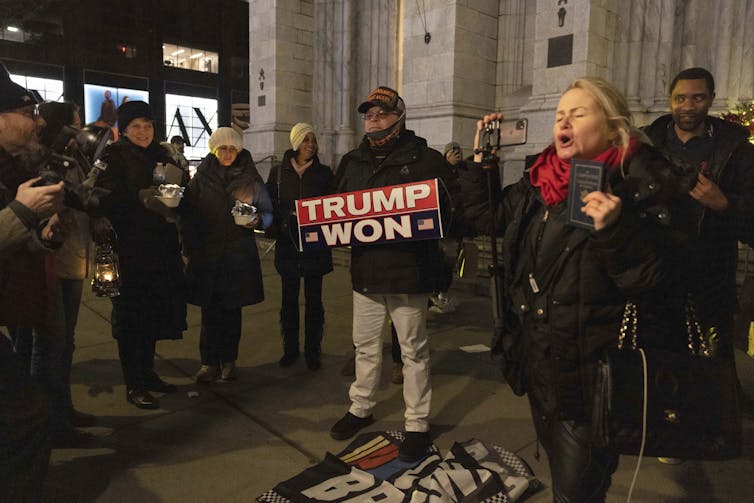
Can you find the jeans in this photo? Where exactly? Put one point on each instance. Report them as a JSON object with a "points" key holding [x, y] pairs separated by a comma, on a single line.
{"points": [[409, 315], [314, 314]]}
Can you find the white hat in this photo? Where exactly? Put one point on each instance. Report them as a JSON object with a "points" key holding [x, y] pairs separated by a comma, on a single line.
{"points": [[225, 136]]}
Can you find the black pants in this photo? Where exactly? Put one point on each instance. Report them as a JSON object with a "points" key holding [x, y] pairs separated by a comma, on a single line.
{"points": [[580, 472], [136, 353], [24, 430], [314, 314], [220, 334]]}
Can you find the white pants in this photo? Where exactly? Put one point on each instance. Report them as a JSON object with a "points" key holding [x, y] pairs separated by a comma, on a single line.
{"points": [[409, 315]]}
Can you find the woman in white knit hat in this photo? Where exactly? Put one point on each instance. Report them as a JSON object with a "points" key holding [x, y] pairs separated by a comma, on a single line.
{"points": [[223, 269], [300, 175]]}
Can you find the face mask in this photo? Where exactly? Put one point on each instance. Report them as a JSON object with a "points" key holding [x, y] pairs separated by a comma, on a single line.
{"points": [[381, 137]]}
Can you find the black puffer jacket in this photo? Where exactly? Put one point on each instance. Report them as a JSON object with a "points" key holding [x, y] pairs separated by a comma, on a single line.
{"points": [[285, 187], [404, 267], [222, 256], [153, 290], [565, 288], [708, 243]]}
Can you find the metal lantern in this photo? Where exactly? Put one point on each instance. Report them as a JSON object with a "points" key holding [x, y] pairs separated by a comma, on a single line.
{"points": [[106, 281]]}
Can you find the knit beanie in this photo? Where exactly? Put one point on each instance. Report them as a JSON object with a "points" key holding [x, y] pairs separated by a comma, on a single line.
{"points": [[225, 136], [299, 132], [13, 96], [450, 146], [131, 110]]}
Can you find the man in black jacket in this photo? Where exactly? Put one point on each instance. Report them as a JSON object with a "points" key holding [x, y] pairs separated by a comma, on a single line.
{"points": [[720, 210], [390, 278]]}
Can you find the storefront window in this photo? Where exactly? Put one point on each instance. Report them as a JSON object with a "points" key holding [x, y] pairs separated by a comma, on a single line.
{"points": [[48, 89], [189, 58], [194, 117], [101, 102]]}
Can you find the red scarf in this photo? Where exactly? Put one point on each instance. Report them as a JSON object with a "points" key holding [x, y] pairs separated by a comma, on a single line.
{"points": [[551, 173]]}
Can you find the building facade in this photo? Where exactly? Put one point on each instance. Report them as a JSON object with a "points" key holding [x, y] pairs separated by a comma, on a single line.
{"points": [[454, 60], [187, 58]]}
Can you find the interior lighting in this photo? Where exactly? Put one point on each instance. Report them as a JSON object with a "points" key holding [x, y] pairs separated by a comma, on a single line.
{"points": [[176, 53], [12, 29], [197, 55]]}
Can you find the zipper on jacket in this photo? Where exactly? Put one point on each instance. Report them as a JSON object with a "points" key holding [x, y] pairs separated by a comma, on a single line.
{"points": [[540, 233]]}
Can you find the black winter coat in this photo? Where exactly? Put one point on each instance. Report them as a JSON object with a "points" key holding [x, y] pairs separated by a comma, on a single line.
{"points": [[223, 260], [152, 295], [708, 243], [285, 187], [403, 267], [565, 288]]}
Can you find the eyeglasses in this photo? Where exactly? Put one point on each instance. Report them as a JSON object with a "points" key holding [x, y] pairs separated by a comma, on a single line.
{"points": [[376, 115]]}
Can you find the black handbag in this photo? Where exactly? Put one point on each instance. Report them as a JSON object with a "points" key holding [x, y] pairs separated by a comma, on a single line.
{"points": [[660, 403]]}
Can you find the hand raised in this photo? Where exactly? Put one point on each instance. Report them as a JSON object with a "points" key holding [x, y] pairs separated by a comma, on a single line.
{"points": [[603, 208]]}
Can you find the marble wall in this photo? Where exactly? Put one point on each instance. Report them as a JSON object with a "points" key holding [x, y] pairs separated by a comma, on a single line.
{"points": [[322, 57]]}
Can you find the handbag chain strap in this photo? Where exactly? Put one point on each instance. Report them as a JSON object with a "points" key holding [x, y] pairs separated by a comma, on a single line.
{"points": [[629, 329]]}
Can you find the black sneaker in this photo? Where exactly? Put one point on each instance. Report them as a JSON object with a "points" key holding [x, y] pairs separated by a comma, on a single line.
{"points": [[349, 425], [415, 446]]}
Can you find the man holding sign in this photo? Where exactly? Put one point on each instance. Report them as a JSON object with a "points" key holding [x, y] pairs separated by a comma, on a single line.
{"points": [[391, 277]]}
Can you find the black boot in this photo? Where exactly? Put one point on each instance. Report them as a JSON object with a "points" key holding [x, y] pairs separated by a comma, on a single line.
{"points": [[313, 344]]}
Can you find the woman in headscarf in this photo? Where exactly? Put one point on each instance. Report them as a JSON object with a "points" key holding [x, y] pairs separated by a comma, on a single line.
{"points": [[223, 269], [299, 176]]}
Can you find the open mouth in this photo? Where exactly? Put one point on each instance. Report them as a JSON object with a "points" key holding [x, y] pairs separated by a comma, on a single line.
{"points": [[564, 140]]}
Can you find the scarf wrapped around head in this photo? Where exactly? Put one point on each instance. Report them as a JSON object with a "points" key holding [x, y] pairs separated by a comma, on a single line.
{"points": [[550, 173]]}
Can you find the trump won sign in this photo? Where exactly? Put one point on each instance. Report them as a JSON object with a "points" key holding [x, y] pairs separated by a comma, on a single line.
{"points": [[410, 211]]}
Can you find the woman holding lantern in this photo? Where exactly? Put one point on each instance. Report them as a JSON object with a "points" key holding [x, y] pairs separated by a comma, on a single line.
{"points": [[223, 270], [151, 305]]}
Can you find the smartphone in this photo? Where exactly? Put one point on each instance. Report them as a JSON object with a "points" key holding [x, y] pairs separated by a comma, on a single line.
{"points": [[513, 132]]}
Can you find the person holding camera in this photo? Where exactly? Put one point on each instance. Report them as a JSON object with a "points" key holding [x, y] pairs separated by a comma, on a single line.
{"points": [[151, 305], [24, 229], [298, 176], [565, 287], [50, 356], [223, 272]]}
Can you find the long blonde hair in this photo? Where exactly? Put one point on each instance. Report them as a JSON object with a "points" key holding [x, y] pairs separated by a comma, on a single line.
{"points": [[615, 107]]}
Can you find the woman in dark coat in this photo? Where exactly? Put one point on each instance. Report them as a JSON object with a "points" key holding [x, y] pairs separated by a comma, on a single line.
{"points": [[223, 269], [565, 287], [151, 305], [299, 176]]}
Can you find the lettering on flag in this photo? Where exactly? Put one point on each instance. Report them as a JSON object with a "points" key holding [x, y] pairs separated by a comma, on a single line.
{"points": [[406, 212]]}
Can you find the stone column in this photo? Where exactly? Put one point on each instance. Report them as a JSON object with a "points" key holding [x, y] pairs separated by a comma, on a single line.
{"points": [[280, 46]]}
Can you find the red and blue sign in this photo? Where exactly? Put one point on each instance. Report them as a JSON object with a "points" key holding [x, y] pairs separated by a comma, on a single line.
{"points": [[406, 212]]}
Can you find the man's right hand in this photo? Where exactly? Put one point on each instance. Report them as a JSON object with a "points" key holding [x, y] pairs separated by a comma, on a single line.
{"points": [[43, 200]]}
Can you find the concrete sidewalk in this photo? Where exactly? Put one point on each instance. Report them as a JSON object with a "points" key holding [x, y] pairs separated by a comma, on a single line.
{"points": [[233, 441]]}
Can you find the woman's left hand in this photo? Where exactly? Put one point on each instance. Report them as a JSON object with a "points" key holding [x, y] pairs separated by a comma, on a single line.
{"points": [[603, 208]]}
